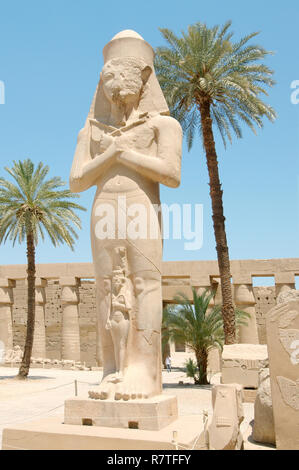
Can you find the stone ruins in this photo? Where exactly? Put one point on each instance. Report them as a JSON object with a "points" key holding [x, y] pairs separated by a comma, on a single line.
{"points": [[283, 346], [69, 302], [109, 313]]}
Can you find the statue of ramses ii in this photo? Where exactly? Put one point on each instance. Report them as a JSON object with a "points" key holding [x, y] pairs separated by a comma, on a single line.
{"points": [[128, 147]]}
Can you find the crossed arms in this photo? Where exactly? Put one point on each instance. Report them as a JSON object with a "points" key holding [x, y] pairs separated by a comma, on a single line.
{"points": [[165, 168]]}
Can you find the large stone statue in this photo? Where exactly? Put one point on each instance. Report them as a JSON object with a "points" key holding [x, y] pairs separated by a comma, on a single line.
{"points": [[128, 146]]}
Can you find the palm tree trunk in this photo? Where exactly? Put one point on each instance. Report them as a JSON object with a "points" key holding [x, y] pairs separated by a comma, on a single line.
{"points": [[216, 193], [202, 364], [25, 365]]}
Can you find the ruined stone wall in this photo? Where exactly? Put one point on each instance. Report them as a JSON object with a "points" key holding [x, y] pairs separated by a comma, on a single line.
{"points": [[265, 300], [53, 319]]}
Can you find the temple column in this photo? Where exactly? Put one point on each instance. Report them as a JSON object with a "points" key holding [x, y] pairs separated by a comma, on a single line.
{"points": [[284, 282], [6, 302], [245, 300], [70, 318], [214, 356], [39, 340]]}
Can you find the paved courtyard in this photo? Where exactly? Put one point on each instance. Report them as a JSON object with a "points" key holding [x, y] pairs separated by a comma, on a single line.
{"points": [[44, 393]]}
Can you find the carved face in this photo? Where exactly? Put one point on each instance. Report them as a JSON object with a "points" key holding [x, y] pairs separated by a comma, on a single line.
{"points": [[123, 80], [118, 282]]}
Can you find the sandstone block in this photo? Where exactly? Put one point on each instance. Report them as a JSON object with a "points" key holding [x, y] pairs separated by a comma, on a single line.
{"points": [[263, 429], [241, 364]]}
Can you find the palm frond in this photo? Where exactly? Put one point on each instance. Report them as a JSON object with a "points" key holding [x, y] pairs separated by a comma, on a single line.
{"points": [[205, 63], [36, 204]]}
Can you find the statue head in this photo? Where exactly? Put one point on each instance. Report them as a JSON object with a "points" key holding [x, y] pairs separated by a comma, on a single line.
{"points": [[123, 80], [118, 280], [127, 77]]}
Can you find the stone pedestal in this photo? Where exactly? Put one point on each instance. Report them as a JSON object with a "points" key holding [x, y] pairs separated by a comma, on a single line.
{"points": [[6, 302], [39, 340], [70, 319], [51, 434], [151, 414], [241, 364], [283, 345]]}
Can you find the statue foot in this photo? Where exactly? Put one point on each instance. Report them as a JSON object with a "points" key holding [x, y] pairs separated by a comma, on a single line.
{"points": [[116, 378], [105, 389], [135, 385]]}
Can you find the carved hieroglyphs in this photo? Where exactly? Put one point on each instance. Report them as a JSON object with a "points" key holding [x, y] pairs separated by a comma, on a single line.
{"points": [[128, 146], [241, 364], [283, 345], [228, 414]]}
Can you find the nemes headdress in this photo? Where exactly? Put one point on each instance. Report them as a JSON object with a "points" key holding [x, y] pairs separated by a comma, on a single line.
{"points": [[127, 44]]}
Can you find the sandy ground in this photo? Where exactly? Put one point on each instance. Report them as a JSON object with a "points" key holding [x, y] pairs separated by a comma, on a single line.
{"points": [[45, 391]]}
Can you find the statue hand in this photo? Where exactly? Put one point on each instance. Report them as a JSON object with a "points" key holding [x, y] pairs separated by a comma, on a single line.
{"points": [[111, 151], [106, 141], [119, 145]]}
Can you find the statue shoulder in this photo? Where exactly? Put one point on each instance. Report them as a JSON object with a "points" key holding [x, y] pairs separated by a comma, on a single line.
{"points": [[161, 122]]}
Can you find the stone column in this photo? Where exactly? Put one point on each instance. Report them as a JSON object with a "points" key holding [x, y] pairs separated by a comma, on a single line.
{"points": [[39, 340], [214, 356], [216, 287], [6, 302], [284, 282], [70, 318], [245, 300]]}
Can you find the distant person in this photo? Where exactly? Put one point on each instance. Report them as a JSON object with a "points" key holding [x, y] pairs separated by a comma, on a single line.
{"points": [[168, 363]]}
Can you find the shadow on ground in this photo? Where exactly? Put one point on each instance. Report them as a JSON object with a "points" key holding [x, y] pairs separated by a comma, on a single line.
{"points": [[188, 386], [14, 377]]}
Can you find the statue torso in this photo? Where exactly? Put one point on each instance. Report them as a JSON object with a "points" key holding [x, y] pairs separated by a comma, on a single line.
{"points": [[139, 136]]}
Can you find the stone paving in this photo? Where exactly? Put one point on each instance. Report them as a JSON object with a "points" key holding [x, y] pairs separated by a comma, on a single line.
{"points": [[44, 393]]}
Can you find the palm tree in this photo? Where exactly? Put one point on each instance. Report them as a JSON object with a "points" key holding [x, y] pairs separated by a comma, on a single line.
{"points": [[209, 79], [199, 326], [29, 209]]}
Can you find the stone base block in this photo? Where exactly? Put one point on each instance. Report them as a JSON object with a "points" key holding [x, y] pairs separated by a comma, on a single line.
{"points": [[241, 364], [151, 414], [51, 434]]}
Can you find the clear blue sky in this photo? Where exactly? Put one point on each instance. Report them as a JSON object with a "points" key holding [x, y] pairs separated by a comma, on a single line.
{"points": [[50, 59]]}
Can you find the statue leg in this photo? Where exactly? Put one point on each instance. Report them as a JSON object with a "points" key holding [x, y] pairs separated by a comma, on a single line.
{"points": [[104, 338], [143, 375]]}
